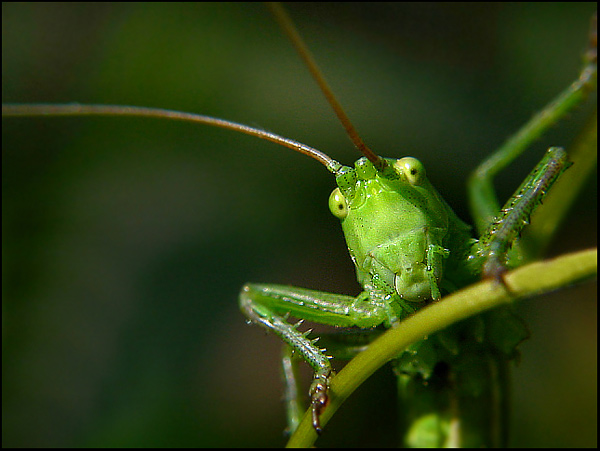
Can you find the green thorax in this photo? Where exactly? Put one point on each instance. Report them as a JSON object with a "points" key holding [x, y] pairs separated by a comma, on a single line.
{"points": [[398, 229]]}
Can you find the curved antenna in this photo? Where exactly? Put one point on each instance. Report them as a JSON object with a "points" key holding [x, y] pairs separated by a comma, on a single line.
{"points": [[290, 30], [74, 109]]}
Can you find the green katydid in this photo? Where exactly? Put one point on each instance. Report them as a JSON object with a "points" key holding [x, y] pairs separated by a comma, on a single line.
{"points": [[436, 252], [407, 246]]}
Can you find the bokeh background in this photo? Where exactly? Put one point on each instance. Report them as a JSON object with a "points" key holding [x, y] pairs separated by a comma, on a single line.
{"points": [[125, 241]]}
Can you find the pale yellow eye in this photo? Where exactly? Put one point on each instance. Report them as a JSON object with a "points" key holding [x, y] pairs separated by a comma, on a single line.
{"points": [[337, 204], [413, 170]]}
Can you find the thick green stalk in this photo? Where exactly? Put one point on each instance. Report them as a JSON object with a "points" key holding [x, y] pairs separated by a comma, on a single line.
{"points": [[527, 281]]}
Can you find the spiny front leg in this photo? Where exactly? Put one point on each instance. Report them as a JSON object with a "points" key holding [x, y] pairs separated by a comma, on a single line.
{"points": [[306, 348], [270, 305], [495, 244]]}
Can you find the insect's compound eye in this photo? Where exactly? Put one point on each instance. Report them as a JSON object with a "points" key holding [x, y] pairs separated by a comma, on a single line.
{"points": [[337, 204], [413, 170]]}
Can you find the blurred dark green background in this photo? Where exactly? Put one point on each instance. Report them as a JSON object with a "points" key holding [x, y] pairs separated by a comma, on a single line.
{"points": [[125, 241]]}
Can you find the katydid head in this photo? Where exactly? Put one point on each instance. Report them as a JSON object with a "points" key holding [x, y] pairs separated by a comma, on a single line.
{"points": [[393, 219], [394, 222]]}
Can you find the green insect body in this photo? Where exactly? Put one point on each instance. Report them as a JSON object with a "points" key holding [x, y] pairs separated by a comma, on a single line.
{"points": [[402, 237], [408, 247]]}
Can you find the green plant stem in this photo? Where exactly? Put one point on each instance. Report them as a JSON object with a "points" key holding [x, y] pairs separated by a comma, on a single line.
{"points": [[527, 281]]}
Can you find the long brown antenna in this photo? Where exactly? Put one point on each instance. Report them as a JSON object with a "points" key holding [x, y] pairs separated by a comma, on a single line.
{"points": [[74, 109], [290, 30]]}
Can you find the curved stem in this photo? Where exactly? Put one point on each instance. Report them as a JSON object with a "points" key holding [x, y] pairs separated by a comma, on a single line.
{"points": [[527, 281]]}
